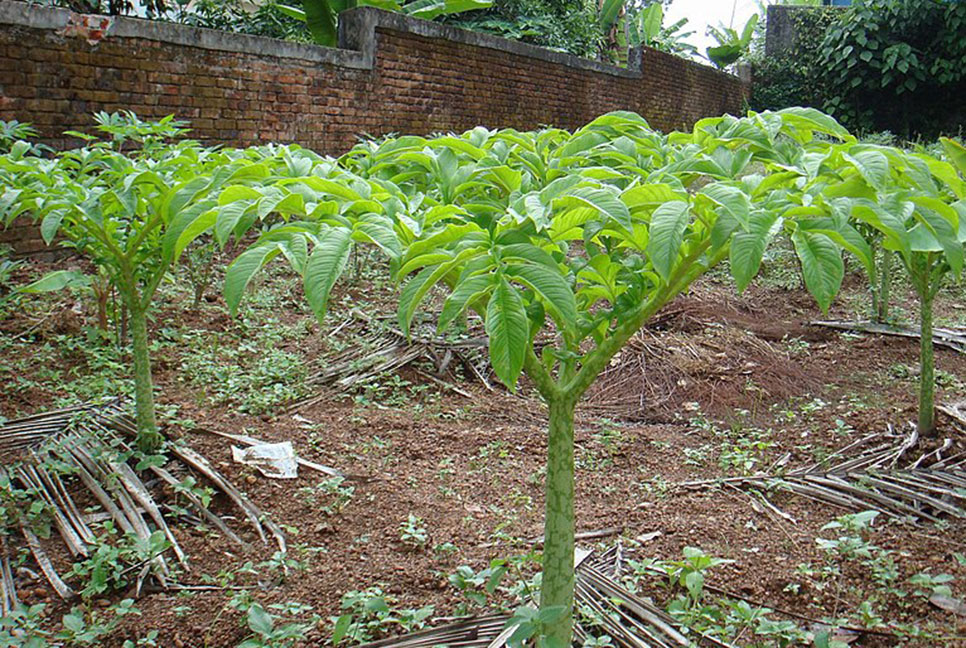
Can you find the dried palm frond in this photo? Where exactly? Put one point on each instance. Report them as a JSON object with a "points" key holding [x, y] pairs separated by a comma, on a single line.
{"points": [[956, 413], [629, 620], [951, 338], [379, 347], [83, 452], [477, 632], [877, 472]]}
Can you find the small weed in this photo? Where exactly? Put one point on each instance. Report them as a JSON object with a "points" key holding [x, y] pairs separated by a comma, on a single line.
{"points": [[369, 614], [333, 491], [267, 633], [413, 533]]}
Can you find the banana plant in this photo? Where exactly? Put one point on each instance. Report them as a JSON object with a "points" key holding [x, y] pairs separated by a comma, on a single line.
{"points": [[731, 45], [563, 244], [646, 27], [132, 216], [322, 16]]}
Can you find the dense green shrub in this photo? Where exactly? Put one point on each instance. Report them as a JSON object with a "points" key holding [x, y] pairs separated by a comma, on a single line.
{"points": [[897, 65], [566, 25], [789, 78], [893, 65], [231, 15]]}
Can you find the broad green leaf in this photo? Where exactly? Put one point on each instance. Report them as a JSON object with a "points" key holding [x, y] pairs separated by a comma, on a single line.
{"points": [[51, 224], [189, 224], [242, 269], [527, 252], [259, 621], [946, 235], [441, 239], [177, 200], [296, 250], [955, 152], [668, 224], [552, 287], [463, 296], [814, 120], [381, 236], [747, 247], [649, 195], [822, 266], [416, 288], [732, 199], [607, 202], [507, 328], [56, 280], [652, 18], [430, 9], [329, 187], [324, 267], [238, 192], [292, 12], [873, 166], [228, 217], [946, 173], [341, 628], [609, 12], [288, 204], [257, 171]]}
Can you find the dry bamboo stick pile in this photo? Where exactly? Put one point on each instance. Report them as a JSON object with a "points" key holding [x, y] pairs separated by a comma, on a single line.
{"points": [[879, 472], [82, 452]]}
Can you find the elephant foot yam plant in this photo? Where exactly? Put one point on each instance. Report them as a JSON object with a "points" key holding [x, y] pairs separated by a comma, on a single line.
{"points": [[564, 244], [573, 239], [130, 213]]}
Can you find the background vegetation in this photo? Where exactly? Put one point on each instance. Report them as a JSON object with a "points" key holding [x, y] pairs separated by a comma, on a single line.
{"points": [[878, 65]]}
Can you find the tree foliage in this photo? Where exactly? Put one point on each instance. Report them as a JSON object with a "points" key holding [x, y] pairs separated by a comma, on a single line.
{"points": [[731, 44], [877, 65], [322, 16], [565, 25]]}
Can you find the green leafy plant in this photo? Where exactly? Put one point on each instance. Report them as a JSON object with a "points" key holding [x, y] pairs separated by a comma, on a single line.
{"points": [[368, 614], [115, 560], [267, 633], [914, 204], [889, 64], [927, 584], [413, 532], [476, 586], [876, 65], [131, 214], [646, 27], [88, 626], [575, 239], [22, 627], [14, 131], [566, 25], [731, 45]]}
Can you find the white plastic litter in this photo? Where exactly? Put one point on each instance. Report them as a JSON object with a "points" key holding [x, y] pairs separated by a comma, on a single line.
{"points": [[275, 460]]}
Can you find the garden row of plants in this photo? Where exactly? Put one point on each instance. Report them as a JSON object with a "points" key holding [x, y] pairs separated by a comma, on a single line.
{"points": [[564, 244]]}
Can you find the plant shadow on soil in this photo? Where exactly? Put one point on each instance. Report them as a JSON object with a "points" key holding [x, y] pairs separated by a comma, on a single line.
{"points": [[717, 385]]}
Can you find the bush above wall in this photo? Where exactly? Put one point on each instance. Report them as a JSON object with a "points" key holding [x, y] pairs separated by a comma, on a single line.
{"points": [[895, 65]]}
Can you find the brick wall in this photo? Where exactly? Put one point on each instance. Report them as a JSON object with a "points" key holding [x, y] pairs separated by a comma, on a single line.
{"points": [[390, 74]]}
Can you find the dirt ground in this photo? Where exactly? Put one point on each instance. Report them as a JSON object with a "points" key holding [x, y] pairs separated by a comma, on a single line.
{"points": [[718, 385]]}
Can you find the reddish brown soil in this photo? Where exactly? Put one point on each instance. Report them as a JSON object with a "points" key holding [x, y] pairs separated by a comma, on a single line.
{"points": [[713, 355]]}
